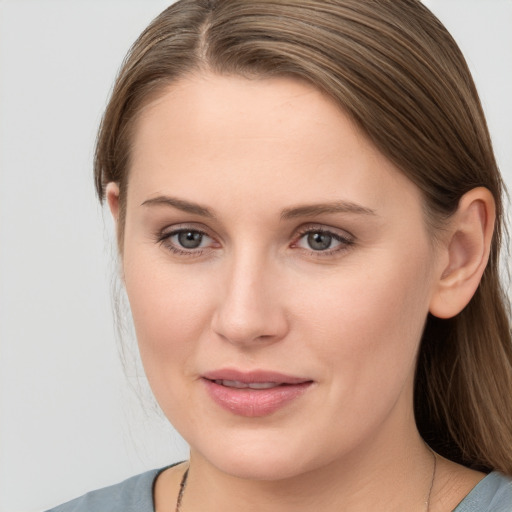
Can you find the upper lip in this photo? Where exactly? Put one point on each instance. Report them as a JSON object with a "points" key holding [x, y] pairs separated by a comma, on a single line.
{"points": [[255, 376]]}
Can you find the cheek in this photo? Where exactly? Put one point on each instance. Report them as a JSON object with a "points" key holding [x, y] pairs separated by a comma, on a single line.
{"points": [[170, 310], [367, 330]]}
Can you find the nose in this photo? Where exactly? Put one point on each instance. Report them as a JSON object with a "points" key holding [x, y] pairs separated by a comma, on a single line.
{"points": [[250, 310]]}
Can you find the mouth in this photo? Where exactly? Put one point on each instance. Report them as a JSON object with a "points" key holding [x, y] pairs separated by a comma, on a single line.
{"points": [[248, 385], [253, 394]]}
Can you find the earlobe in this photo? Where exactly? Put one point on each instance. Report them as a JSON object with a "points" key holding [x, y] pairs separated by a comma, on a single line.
{"points": [[112, 196], [466, 248]]}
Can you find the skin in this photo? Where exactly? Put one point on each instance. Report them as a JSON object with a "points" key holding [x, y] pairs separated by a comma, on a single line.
{"points": [[255, 295]]}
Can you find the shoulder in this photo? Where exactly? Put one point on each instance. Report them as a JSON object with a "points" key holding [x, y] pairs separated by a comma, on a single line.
{"points": [[492, 494], [132, 495]]}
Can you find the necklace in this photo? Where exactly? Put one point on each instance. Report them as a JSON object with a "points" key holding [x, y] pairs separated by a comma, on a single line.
{"points": [[182, 490], [427, 501]]}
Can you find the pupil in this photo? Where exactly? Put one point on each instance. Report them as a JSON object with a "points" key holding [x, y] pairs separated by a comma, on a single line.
{"points": [[319, 241], [190, 239]]}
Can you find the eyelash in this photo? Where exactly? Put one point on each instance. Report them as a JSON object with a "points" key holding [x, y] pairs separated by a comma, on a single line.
{"points": [[164, 239], [345, 242]]}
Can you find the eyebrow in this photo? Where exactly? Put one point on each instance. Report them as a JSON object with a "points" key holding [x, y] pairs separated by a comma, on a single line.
{"points": [[309, 210], [322, 208], [180, 204]]}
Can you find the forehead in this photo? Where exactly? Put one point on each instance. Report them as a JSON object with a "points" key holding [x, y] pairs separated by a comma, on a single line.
{"points": [[232, 107], [280, 138]]}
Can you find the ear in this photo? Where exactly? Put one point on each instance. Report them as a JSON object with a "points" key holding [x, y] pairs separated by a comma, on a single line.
{"points": [[464, 253], [112, 196]]}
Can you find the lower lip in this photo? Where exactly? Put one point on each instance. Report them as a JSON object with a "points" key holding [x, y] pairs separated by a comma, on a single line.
{"points": [[254, 402]]}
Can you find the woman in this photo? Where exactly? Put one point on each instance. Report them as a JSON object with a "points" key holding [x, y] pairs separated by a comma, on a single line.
{"points": [[309, 219]]}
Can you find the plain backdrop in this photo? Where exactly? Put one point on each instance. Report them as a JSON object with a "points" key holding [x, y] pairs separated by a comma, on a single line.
{"points": [[69, 421]]}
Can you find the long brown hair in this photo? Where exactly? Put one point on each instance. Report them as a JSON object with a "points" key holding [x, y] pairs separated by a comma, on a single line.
{"points": [[394, 68]]}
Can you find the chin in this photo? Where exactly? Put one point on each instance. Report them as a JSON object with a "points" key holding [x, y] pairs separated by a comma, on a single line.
{"points": [[260, 457], [266, 467]]}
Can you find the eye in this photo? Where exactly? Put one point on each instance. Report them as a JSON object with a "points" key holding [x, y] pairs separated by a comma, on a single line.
{"points": [[185, 241], [319, 241], [323, 241], [189, 239]]}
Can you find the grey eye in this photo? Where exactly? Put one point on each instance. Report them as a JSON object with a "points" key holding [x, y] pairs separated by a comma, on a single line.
{"points": [[319, 241], [190, 239]]}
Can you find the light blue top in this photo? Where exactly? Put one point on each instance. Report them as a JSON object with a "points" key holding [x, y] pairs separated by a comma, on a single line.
{"points": [[492, 494]]}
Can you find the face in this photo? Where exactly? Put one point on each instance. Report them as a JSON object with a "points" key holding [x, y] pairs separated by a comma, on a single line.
{"points": [[279, 271]]}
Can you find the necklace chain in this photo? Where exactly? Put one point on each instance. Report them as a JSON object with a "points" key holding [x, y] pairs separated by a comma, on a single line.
{"points": [[427, 501], [182, 490]]}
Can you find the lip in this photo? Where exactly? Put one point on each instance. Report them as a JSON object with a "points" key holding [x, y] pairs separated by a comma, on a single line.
{"points": [[254, 402], [254, 376]]}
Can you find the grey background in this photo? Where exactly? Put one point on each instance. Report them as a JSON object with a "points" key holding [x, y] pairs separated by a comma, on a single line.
{"points": [[69, 422]]}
